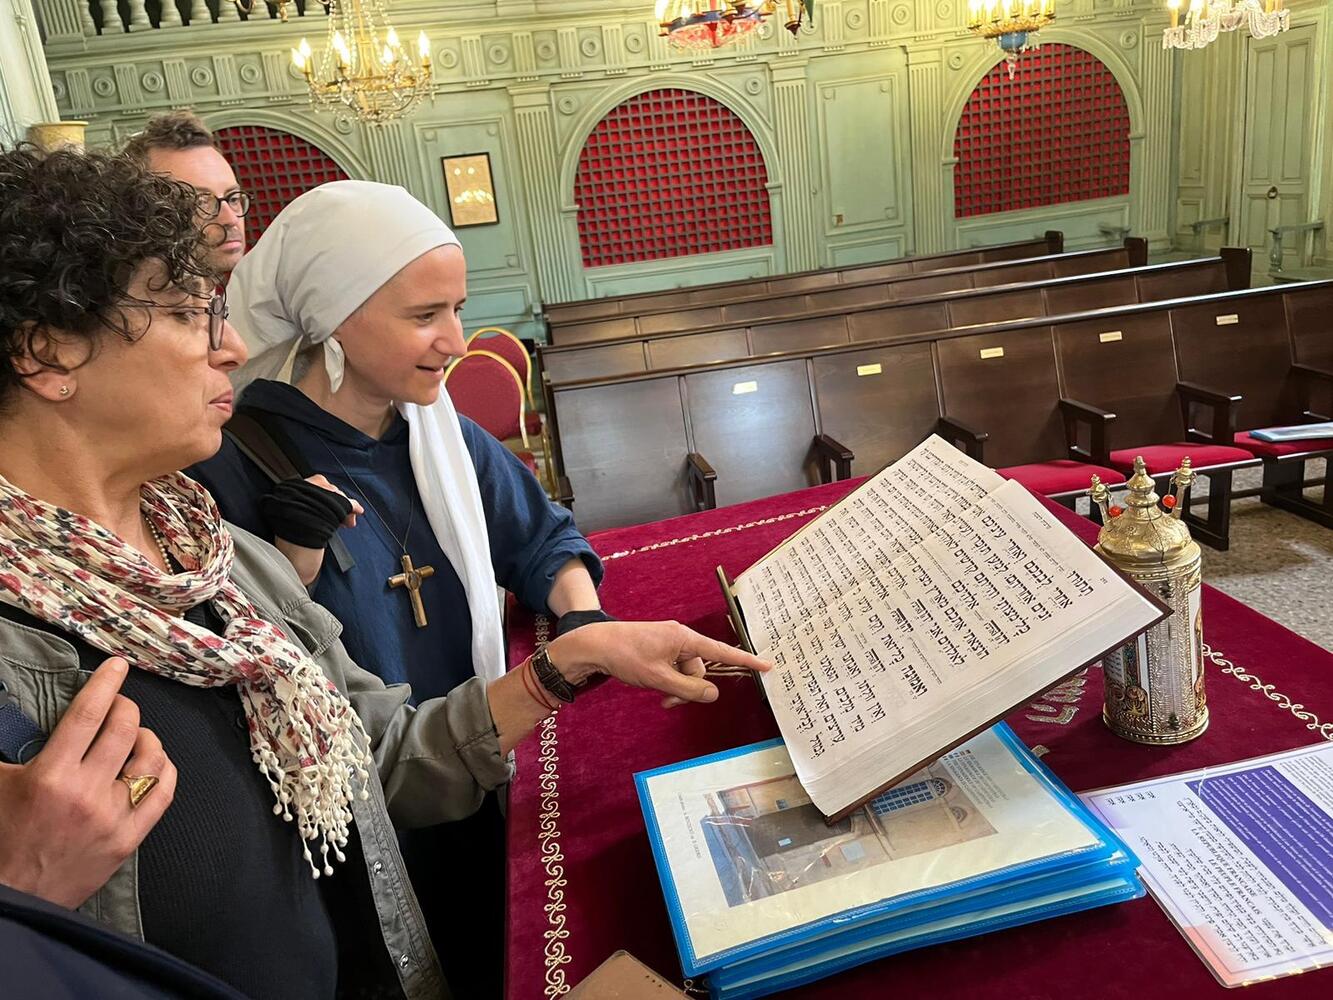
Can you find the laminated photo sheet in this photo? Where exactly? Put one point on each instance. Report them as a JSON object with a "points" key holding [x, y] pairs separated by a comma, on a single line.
{"points": [[1240, 857], [746, 858]]}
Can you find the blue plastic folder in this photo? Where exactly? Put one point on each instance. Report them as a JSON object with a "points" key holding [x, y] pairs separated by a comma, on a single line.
{"points": [[764, 895]]}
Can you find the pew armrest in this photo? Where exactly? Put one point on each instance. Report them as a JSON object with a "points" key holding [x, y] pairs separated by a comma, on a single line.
{"points": [[1078, 414], [835, 459], [1311, 377], [564, 492], [702, 481], [1313, 374], [1222, 406], [962, 436]]}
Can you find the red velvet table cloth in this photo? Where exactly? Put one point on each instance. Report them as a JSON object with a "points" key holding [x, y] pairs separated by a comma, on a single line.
{"points": [[581, 877]]}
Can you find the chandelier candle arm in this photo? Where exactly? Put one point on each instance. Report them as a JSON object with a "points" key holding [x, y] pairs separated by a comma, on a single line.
{"points": [[1205, 20], [1013, 24], [365, 71]]}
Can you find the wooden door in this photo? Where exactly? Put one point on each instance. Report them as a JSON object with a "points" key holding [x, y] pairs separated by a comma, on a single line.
{"points": [[1280, 76]]}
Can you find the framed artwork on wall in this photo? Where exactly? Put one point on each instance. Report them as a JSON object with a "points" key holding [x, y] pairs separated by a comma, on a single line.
{"points": [[467, 180]]}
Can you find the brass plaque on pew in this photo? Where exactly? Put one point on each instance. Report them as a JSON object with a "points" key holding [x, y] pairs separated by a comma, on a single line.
{"points": [[991, 352], [1230, 319], [741, 388], [875, 369], [1111, 337]]}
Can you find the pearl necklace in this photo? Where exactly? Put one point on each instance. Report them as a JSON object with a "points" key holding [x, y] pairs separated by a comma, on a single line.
{"points": [[159, 541]]}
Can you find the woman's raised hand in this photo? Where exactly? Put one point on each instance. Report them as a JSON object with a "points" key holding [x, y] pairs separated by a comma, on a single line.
{"points": [[66, 819], [301, 533], [664, 656]]}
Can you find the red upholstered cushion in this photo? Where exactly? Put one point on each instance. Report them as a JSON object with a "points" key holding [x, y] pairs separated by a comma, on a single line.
{"points": [[1278, 449], [1061, 476], [1161, 458], [532, 422], [486, 389], [508, 348]]}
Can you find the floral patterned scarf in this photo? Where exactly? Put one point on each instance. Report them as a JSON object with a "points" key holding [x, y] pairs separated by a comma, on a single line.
{"points": [[71, 572]]}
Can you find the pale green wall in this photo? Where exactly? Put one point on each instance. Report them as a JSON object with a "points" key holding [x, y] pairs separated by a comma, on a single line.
{"points": [[25, 87], [1213, 100], [856, 117]]}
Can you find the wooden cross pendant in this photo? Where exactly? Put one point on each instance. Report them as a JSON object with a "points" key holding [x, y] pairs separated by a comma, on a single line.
{"points": [[412, 577]]}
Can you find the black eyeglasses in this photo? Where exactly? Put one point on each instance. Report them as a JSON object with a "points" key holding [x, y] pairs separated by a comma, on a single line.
{"points": [[216, 311], [210, 204]]}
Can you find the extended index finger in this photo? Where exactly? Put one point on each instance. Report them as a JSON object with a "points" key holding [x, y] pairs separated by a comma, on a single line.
{"points": [[78, 727], [710, 649]]}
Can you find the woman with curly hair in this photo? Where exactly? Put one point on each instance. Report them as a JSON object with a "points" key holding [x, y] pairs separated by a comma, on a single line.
{"points": [[219, 778]]}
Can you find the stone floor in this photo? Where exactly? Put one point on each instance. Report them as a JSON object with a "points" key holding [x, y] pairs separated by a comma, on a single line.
{"points": [[1279, 564]]}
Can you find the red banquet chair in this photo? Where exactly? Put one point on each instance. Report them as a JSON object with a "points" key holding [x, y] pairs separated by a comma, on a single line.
{"points": [[485, 388], [498, 340]]}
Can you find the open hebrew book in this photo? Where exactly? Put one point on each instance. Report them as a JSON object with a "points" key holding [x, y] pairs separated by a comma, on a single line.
{"points": [[920, 609]]}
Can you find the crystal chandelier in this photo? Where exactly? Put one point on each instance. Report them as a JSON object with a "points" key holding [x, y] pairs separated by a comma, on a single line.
{"points": [[1013, 24], [699, 25], [1205, 20], [364, 72]]}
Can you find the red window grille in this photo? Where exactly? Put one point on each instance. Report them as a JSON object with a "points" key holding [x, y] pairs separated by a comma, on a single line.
{"points": [[1057, 132], [274, 167], [666, 174]]}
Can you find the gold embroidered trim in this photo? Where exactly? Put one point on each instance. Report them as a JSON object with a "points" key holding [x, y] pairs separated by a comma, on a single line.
{"points": [[1312, 723], [548, 837], [777, 518]]}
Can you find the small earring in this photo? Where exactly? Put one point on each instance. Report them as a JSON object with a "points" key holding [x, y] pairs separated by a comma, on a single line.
{"points": [[64, 390]]}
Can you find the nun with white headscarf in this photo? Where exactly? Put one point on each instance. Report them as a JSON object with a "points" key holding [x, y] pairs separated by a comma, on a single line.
{"points": [[364, 285]]}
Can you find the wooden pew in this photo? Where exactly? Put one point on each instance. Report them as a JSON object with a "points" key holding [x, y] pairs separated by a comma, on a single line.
{"points": [[1270, 355], [640, 449], [561, 313], [948, 310], [1125, 367], [879, 290], [1000, 400]]}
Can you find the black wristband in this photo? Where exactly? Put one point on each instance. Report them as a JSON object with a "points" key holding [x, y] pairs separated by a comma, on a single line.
{"points": [[571, 620], [303, 513]]}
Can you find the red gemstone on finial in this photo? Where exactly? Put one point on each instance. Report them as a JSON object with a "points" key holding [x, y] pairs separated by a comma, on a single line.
{"points": [[1168, 501], [1116, 511]]}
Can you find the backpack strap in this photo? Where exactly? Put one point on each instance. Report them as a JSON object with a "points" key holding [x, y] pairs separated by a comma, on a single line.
{"points": [[260, 444], [264, 443]]}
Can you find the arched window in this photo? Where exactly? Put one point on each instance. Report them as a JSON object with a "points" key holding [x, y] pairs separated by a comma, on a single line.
{"points": [[274, 167], [666, 174], [1057, 132]]}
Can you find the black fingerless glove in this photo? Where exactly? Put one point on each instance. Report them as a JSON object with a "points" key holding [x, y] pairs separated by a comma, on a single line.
{"points": [[303, 513]]}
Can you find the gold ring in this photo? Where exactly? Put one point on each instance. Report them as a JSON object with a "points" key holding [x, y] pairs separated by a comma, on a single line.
{"points": [[139, 785]]}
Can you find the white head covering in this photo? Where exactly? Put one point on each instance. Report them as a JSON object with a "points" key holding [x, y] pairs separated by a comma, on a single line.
{"points": [[321, 258]]}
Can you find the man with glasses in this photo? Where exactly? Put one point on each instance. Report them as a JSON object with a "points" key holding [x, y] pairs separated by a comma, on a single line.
{"points": [[180, 146]]}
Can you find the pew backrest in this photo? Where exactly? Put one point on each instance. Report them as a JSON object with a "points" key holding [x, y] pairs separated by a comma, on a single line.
{"points": [[1127, 366], [730, 291], [755, 426], [948, 310], [1007, 384], [697, 316], [623, 440], [1238, 345]]}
